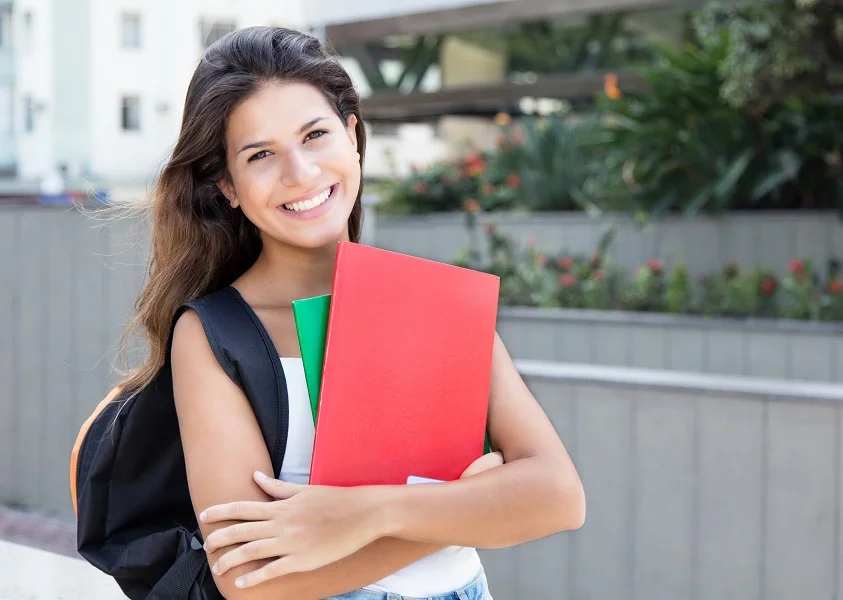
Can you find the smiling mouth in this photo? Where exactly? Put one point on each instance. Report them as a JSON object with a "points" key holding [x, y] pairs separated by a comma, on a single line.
{"points": [[317, 200]]}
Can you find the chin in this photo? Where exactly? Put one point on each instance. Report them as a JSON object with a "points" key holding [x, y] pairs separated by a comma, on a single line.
{"points": [[324, 237]]}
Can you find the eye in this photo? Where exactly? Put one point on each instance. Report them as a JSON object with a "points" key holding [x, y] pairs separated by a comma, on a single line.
{"points": [[259, 155], [315, 134]]}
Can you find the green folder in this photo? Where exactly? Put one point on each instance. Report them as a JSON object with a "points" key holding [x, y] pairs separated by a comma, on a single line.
{"points": [[311, 316]]}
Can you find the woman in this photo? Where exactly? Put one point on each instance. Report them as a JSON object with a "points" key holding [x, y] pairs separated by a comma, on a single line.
{"points": [[263, 182]]}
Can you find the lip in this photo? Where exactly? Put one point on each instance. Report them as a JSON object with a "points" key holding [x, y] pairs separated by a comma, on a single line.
{"points": [[312, 213]]}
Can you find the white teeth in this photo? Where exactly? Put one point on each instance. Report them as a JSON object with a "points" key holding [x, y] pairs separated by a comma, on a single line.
{"points": [[308, 204]]}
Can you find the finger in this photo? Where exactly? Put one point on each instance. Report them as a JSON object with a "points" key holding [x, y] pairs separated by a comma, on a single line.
{"points": [[283, 566], [237, 511], [239, 533], [268, 548], [276, 488]]}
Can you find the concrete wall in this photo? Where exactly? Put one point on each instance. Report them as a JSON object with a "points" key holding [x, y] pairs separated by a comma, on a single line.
{"points": [[753, 239], [699, 486], [66, 286], [762, 348]]}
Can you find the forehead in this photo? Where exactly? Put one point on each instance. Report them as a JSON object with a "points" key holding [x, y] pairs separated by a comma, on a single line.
{"points": [[276, 109]]}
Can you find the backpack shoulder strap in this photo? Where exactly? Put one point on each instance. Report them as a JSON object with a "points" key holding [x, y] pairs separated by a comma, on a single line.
{"points": [[246, 353]]}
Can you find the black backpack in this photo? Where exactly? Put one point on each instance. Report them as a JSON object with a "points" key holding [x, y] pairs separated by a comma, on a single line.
{"points": [[135, 520]]}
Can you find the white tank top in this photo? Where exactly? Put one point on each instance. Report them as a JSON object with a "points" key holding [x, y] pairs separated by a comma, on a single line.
{"points": [[439, 573]]}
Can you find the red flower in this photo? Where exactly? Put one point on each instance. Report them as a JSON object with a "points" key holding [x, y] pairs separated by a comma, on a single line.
{"points": [[566, 262], [474, 164], [768, 286], [421, 187], [512, 180], [472, 205], [656, 267], [567, 280], [541, 260], [797, 268], [835, 287], [610, 86]]}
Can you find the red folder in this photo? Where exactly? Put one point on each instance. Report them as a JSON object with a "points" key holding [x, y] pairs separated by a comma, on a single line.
{"points": [[406, 377]]}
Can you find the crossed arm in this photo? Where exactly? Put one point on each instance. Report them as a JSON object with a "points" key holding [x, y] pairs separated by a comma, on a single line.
{"points": [[393, 526]]}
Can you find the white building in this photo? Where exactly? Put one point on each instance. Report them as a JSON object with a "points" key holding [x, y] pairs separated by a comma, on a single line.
{"points": [[7, 140], [95, 88]]}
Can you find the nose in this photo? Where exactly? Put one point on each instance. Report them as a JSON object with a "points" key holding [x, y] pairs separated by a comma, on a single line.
{"points": [[299, 170]]}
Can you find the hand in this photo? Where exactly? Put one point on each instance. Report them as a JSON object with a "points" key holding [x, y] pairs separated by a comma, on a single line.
{"points": [[308, 527], [319, 525], [484, 463]]}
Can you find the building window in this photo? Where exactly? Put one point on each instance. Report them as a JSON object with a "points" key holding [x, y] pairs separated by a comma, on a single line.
{"points": [[27, 30], [130, 113], [5, 28], [211, 31], [130, 30], [5, 110], [28, 114]]}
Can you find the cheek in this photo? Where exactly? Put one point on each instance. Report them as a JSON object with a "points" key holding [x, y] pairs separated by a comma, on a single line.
{"points": [[254, 185], [346, 163]]}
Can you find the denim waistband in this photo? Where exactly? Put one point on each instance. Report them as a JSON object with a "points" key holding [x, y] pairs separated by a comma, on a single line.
{"points": [[475, 590]]}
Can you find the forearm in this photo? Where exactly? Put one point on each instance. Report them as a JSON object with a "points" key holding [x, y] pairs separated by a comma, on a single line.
{"points": [[519, 502], [371, 563]]}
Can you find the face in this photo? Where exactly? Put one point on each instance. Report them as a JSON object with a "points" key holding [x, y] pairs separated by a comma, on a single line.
{"points": [[294, 167]]}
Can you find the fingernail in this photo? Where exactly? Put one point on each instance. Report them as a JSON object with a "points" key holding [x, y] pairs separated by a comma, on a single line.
{"points": [[203, 516], [216, 569], [205, 546], [260, 475], [240, 583]]}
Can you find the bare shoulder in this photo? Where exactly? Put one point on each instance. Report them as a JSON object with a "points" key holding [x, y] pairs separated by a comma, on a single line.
{"points": [[222, 441]]}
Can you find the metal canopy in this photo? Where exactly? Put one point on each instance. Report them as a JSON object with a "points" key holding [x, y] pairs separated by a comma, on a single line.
{"points": [[481, 16], [487, 99]]}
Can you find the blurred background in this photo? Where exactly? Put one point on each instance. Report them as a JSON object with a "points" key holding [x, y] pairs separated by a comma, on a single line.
{"points": [[658, 183]]}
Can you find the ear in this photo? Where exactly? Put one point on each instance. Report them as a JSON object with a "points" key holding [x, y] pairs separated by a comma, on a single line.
{"points": [[228, 191], [351, 130]]}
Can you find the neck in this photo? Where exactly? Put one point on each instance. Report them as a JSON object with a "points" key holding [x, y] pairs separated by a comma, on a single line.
{"points": [[288, 273]]}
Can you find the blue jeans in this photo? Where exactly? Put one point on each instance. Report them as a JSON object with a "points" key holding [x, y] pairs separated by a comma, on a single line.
{"points": [[478, 589]]}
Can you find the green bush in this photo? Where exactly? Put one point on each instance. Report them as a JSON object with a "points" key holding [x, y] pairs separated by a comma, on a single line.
{"points": [[684, 148], [532, 278], [747, 117]]}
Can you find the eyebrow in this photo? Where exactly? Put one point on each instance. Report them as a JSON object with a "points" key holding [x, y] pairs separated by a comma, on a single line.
{"points": [[263, 143]]}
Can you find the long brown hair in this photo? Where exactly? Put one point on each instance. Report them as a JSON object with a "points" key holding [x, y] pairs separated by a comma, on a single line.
{"points": [[199, 244]]}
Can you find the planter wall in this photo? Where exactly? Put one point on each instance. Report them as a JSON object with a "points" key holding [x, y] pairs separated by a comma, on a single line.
{"points": [[697, 486], [67, 286], [705, 244], [772, 349]]}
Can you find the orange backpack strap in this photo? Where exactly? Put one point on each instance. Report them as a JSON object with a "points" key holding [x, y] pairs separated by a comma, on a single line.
{"points": [[74, 454]]}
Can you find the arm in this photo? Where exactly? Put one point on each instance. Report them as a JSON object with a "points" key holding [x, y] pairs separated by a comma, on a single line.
{"points": [[536, 493], [223, 446]]}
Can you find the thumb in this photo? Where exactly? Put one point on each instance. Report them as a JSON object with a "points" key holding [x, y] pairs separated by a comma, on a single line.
{"points": [[276, 488]]}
